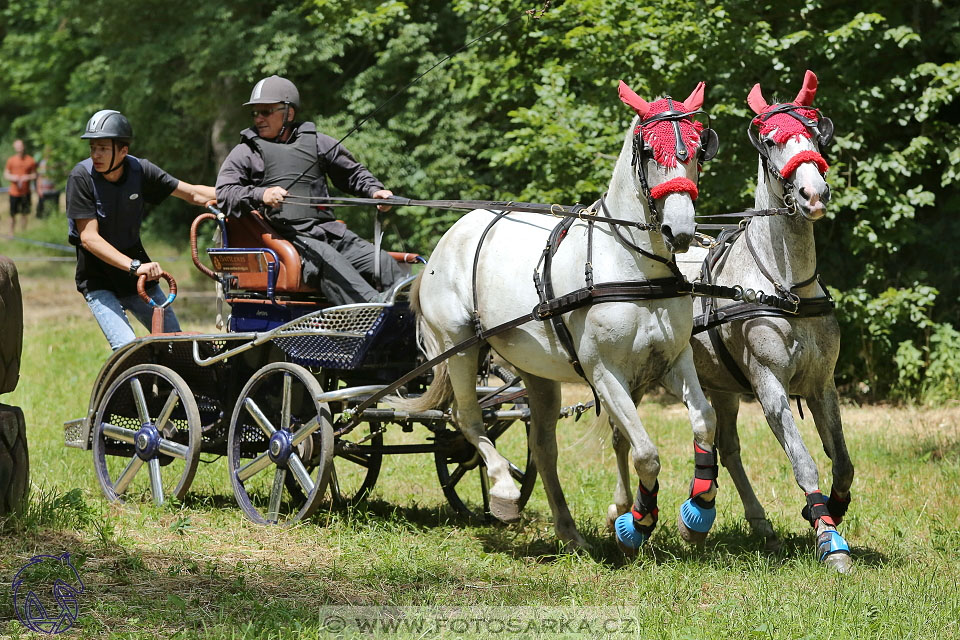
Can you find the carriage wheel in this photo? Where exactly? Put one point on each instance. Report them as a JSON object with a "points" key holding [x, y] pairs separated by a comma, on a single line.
{"points": [[276, 420], [356, 466], [147, 418], [463, 476]]}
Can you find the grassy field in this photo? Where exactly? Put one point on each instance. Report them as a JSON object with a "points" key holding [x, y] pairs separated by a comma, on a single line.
{"points": [[199, 569]]}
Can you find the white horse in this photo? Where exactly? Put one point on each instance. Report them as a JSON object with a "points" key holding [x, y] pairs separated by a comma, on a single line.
{"points": [[624, 347], [781, 356]]}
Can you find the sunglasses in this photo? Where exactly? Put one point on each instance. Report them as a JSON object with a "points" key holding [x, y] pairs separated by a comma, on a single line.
{"points": [[264, 112]]}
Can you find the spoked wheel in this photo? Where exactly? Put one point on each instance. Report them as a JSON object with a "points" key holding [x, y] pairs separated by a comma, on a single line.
{"points": [[147, 418], [279, 431], [463, 475], [356, 465]]}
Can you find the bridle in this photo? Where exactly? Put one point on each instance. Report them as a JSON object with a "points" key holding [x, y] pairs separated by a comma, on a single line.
{"points": [[819, 129], [709, 143]]}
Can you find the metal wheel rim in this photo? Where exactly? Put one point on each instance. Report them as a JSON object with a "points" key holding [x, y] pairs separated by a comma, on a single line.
{"points": [[180, 394], [372, 463], [242, 470]]}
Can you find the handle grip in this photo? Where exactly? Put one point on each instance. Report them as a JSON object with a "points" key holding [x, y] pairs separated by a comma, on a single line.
{"points": [[142, 291]]}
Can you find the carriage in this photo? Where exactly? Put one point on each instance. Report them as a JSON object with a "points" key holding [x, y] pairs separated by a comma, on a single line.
{"points": [[274, 392]]}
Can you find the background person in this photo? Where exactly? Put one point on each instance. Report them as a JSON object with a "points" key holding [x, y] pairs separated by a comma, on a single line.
{"points": [[20, 170], [258, 173], [106, 197], [48, 196]]}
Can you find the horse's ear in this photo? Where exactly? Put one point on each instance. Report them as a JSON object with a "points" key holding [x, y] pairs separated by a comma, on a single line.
{"points": [[632, 100], [695, 100], [809, 90], [756, 101]]}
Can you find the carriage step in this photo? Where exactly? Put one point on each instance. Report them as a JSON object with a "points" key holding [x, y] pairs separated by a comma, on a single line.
{"points": [[76, 435]]}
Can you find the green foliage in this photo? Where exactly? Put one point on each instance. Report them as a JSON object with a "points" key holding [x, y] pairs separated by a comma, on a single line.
{"points": [[931, 372], [530, 111]]}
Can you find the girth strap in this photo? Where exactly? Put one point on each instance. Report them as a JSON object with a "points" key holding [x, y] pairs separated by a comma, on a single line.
{"points": [[808, 308]]}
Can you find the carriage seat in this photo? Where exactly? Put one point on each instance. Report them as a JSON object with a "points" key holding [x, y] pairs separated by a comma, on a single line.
{"points": [[252, 231], [254, 248]]}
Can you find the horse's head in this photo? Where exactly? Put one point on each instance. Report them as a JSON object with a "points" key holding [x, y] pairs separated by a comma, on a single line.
{"points": [[789, 141], [668, 148]]}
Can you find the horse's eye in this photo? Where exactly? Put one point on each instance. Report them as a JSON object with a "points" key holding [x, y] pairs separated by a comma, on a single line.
{"points": [[769, 142]]}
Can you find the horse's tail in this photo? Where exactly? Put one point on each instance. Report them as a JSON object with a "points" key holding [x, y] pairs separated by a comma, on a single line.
{"points": [[440, 391]]}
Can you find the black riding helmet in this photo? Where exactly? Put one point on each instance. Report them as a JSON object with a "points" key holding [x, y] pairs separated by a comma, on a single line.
{"points": [[109, 124], [275, 90]]}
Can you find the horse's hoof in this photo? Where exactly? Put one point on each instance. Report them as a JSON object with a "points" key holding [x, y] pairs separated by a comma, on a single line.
{"points": [[507, 511], [629, 552], [772, 544], [833, 551], [576, 545], [629, 538], [761, 527], [695, 521]]}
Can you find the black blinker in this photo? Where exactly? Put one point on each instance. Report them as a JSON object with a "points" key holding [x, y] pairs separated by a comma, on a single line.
{"points": [[824, 131], [709, 144]]}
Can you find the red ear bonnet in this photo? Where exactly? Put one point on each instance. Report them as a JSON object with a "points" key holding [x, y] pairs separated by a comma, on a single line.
{"points": [[809, 90], [756, 101], [695, 100], [632, 100]]}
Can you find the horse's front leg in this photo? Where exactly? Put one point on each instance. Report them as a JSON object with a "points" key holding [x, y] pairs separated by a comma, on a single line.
{"points": [[544, 398], [825, 408], [699, 511], [634, 528], [832, 549]]}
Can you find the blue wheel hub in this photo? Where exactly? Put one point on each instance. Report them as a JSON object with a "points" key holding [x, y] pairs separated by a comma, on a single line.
{"points": [[281, 446], [147, 442], [697, 518]]}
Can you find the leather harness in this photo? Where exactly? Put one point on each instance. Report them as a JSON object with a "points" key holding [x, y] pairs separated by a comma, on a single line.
{"points": [[785, 305]]}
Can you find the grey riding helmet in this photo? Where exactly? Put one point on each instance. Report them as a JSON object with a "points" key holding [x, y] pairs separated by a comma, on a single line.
{"points": [[108, 123], [274, 90]]}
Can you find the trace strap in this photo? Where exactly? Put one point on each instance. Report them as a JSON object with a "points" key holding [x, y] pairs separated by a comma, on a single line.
{"points": [[627, 291]]}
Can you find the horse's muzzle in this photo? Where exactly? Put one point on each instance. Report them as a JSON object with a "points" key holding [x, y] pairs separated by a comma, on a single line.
{"points": [[676, 243]]}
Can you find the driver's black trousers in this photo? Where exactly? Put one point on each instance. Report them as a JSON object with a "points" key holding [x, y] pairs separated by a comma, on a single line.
{"points": [[337, 261]]}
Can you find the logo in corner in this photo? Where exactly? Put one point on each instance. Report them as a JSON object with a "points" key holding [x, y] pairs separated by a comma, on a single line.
{"points": [[134, 196], [46, 594]]}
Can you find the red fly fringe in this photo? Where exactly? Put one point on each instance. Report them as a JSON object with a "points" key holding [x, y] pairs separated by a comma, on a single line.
{"points": [[677, 185], [799, 159]]}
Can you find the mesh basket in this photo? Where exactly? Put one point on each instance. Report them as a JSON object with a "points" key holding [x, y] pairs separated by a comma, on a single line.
{"points": [[337, 338]]}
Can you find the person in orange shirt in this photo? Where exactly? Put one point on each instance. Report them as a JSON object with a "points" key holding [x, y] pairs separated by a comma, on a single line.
{"points": [[20, 171]]}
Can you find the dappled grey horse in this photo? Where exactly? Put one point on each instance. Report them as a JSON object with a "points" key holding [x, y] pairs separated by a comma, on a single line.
{"points": [[479, 277], [776, 355]]}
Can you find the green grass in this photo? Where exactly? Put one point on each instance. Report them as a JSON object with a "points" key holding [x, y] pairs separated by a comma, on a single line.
{"points": [[199, 569]]}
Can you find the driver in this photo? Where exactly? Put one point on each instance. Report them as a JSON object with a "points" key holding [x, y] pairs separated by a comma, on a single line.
{"points": [[106, 197], [261, 171]]}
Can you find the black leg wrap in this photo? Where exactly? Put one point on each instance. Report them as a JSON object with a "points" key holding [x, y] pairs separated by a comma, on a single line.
{"points": [[705, 472], [646, 505], [837, 507], [816, 509], [646, 501]]}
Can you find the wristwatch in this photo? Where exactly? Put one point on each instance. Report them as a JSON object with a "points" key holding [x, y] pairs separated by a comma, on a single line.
{"points": [[134, 265]]}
